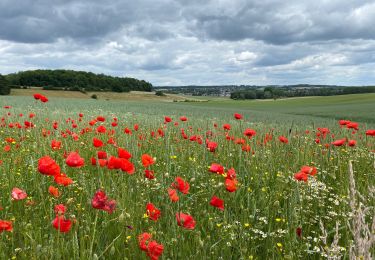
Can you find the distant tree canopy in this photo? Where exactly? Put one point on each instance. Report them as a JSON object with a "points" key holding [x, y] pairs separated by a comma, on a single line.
{"points": [[4, 86], [283, 92], [76, 80]]}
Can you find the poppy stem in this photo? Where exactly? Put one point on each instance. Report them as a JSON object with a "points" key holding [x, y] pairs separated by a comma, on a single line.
{"points": [[93, 234]]}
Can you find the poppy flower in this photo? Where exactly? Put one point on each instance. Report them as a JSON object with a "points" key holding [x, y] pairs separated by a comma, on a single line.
{"points": [[167, 119], [231, 185], [54, 191], [62, 179], [237, 116], [339, 142], [102, 155], [152, 212], [151, 247], [183, 118], [370, 132], [101, 201], [100, 118], [352, 143], [97, 142], [309, 170], [47, 166], [55, 145], [60, 209], [301, 176], [126, 166], [61, 224], [149, 174], [101, 129], [147, 160], [37, 96], [283, 139], [216, 168], [6, 226], [18, 194], [299, 232], [249, 132], [226, 126], [352, 125], [74, 160], [154, 250], [231, 174], [186, 221], [216, 202], [172, 193], [122, 153], [343, 122], [211, 146], [181, 185]]}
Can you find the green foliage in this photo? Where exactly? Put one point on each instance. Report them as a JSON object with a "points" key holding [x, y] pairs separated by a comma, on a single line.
{"points": [[4, 86], [76, 80], [298, 91], [159, 93]]}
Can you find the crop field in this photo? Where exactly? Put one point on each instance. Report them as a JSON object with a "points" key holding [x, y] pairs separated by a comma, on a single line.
{"points": [[97, 179]]}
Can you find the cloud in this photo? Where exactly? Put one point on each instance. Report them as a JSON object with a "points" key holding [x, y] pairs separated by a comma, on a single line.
{"points": [[181, 42]]}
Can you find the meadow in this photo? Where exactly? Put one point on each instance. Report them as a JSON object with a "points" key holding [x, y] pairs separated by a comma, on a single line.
{"points": [[221, 179]]}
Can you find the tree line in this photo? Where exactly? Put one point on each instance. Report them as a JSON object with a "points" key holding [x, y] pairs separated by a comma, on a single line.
{"points": [[75, 81], [285, 92]]}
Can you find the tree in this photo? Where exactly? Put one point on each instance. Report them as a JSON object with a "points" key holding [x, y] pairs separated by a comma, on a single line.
{"points": [[4, 86]]}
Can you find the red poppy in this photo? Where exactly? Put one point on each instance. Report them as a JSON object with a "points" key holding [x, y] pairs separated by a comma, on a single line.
{"points": [[352, 143], [56, 145], [43, 99], [6, 226], [126, 166], [339, 142], [60, 209], [122, 153], [47, 166], [309, 170], [37, 96], [352, 125], [101, 201], [149, 174], [100, 118], [18, 194], [216, 202], [249, 132], [151, 247], [54, 191], [152, 212], [231, 174], [283, 139], [173, 195], [216, 168], [181, 185], [370, 132], [344, 122], [238, 116], [102, 155], [301, 176], [185, 220], [97, 143], [74, 160], [231, 185], [62, 179], [183, 118], [167, 119], [147, 160], [61, 224], [211, 146], [226, 126]]}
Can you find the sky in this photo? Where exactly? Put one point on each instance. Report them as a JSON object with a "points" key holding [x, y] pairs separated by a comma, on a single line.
{"points": [[194, 42]]}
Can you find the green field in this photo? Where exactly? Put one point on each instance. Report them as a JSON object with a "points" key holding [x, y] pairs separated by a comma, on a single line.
{"points": [[270, 214]]}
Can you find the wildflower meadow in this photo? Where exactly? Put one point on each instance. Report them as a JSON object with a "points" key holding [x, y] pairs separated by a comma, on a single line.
{"points": [[96, 179]]}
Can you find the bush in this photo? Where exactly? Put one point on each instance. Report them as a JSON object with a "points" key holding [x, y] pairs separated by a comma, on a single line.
{"points": [[159, 93], [4, 86], [94, 96]]}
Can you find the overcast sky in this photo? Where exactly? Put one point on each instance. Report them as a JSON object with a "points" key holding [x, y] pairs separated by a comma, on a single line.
{"points": [[184, 42]]}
